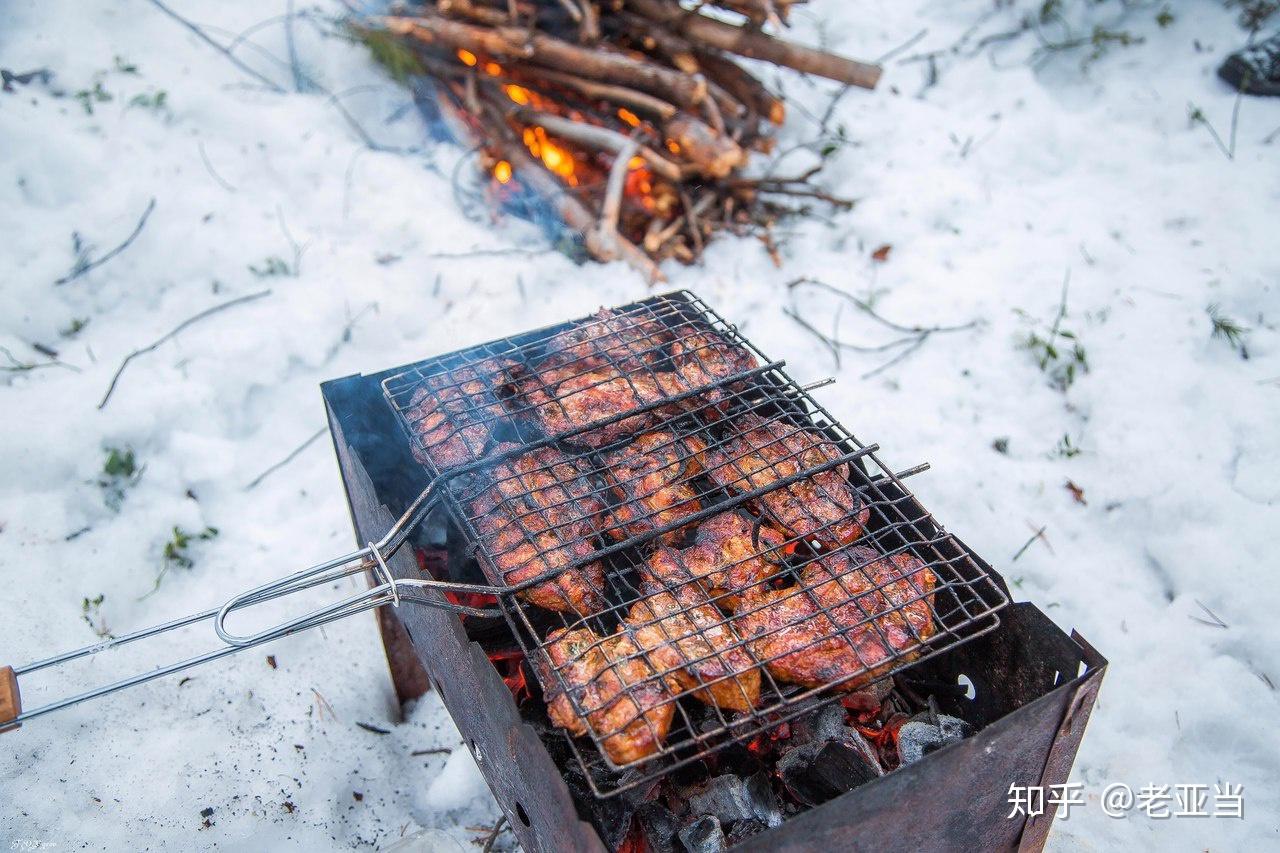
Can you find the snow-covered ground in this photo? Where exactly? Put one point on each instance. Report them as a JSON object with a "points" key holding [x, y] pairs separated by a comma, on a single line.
{"points": [[992, 185]]}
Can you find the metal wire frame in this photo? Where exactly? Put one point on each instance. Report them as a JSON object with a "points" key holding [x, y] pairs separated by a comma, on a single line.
{"points": [[961, 606], [476, 388], [968, 597]]}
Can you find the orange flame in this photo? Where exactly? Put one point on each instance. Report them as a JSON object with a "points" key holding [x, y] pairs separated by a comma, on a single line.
{"points": [[554, 156], [628, 116], [518, 94], [502, 171], [493, 69], [467, 57]]}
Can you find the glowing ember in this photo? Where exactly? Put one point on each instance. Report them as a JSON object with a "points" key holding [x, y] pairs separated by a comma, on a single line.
{"points": [[467, 57], [553, 155], [519, 94], [673, 146], [628, 116], [502, 171], [510, 665], [493, 69]]}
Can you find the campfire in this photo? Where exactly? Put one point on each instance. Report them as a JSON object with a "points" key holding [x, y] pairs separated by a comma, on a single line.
{"points": [[631, 119]]}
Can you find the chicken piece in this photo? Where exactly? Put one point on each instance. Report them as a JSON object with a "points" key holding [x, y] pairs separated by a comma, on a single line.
{"points": [[576, 387], [528, 387], [597, 395], [625, 339], [453, 414], [538, 512], [877, 615], [730, 555], [694, 648], [624, 704], [650, 478], [704, 355], [823, 506]]}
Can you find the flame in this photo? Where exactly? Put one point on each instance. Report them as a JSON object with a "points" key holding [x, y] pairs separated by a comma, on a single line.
{"points": [[502, 171], [554, 156], [519, 94], [509, 666], [628, 116], [493, 69], [673, 146], [467, 57], [639, 183]]}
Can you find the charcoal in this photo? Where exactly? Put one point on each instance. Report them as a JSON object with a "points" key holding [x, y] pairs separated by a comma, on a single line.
{"points": [[744, 829], [660, 827], [731, 797], [817, 772], [826, 723], [926, 733], [704, 835]]}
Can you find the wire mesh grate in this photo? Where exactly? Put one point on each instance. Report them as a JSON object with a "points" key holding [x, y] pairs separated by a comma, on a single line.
{"points": [[695, 550]]}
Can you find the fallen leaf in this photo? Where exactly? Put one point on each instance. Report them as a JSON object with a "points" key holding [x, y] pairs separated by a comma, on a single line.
{"points": [[1076, 492], [881, 254]]}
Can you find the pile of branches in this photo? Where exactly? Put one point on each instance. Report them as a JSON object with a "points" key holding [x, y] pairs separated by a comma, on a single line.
{"points": [[631, 118]]}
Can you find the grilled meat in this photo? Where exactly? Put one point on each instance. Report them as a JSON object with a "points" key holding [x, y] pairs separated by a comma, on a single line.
{"points": [[650, 478], [453, 415], [577, 385], [624, 339], [730, 555], [824, 506], [694, 648], [538, 512], [853, 616], [626, 706], [703, 355]]}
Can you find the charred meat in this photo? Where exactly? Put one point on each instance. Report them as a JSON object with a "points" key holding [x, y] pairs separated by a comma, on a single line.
{"points": [[694, 647], [453, 415], [625, 339], [570, 391], [650, 478], [730, 556], [538, 512], [822, 506], [850, 619], [622, 702]]}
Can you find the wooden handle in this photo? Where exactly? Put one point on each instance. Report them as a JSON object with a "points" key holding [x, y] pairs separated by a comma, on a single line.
{"points": [[10, 698]]}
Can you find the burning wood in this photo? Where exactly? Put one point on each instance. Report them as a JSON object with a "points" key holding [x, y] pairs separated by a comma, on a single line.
{"points": [[561, 96]]}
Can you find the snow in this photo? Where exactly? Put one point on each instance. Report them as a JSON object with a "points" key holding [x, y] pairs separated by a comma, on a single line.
{"points": [[992, 186]]}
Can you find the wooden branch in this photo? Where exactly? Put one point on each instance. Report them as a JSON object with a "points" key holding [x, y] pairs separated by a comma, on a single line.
{"points": [[716, 154], [81, 269], [758, 12], [471, 12], [239, 300], [753, 44], [600, 137], [612, 206], [540, 181], [742, 85], [682, 54], [589, 26], [630, 98], [520, 45]]}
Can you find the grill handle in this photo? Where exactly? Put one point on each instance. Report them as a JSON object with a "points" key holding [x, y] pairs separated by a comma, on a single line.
{"points": [[371, 558]]}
